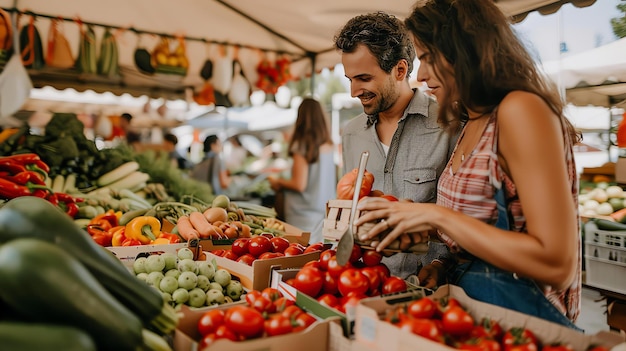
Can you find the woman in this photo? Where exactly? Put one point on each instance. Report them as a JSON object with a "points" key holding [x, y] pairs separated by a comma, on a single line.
{"points": [[313, 173], [514, 154], [211, 168]]}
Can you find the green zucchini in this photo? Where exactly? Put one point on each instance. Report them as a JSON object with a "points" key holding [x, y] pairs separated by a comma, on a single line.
{"points": [[605, 224], [30, 216], [22, 336], [72, 295]]}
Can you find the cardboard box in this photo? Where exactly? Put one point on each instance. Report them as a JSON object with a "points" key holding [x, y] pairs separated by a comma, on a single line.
{"points": [[258, 276], [377, 334], [314, 338], [294, 235], [128, 254]]}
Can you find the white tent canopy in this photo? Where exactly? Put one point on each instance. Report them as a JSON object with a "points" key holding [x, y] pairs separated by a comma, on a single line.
{"points": [[594, 77]]}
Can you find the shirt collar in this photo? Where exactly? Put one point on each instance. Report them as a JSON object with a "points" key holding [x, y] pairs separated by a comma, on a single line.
{"points": [[418, 106]]}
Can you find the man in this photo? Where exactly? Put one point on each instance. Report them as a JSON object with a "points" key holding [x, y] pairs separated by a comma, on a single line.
{"points": [[408, 149], [169, 144]]}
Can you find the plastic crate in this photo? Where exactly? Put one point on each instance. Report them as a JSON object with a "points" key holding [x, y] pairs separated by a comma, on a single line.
{"points": [[605, 260]]}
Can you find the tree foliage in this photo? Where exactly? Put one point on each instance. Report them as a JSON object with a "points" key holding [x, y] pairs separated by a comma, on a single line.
{"points": [[619, 23]]}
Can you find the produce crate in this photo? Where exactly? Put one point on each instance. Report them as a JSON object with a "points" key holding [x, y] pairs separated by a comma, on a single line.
{"points": [[128, 254], [377, 334], [605, 260]]}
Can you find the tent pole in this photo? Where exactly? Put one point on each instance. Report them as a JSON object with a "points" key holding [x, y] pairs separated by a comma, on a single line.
{"points": [[313, 57]]}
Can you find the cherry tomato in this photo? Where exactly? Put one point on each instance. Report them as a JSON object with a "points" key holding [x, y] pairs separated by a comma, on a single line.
{"points": [[209, 321], [325, 256], [277, 325], [314, 247], [456, 321], [422, 308], [393, 284], [309, 280], [240, 246], [245, 321], [371, 258], [279, 244], [423, 327], [258, 245], [271, 294], [247, 259], [352, 281]]}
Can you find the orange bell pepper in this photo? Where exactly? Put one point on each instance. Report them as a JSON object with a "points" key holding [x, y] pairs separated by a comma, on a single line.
{"points": [[170, 237], [118, 235], [143, 228]]}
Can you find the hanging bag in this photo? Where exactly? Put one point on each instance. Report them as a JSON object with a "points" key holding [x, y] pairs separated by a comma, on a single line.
{"points": [[58, 53], [143, 59], [32, 48], [108, 61], [15, 84]]}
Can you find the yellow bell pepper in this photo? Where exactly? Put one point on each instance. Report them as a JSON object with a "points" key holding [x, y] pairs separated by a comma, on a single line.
{"points": [[143, 228]]}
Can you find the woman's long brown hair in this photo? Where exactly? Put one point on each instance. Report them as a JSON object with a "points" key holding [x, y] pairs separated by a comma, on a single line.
{"points": [[311, 130]]}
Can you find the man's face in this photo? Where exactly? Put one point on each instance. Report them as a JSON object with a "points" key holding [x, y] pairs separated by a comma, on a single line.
{"points": [[376, 89]]}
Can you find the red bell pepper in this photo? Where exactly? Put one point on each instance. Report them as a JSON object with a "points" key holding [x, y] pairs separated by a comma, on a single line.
{"points": [[131, 242], [100, 235], [171, 238]]}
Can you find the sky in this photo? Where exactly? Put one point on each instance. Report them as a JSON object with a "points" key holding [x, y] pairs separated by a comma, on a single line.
{"points": [[581, 29]]}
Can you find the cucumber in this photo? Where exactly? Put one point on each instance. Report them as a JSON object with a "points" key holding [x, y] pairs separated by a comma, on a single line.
{"points": [[30, 216], [118, 173], [605, 224], [21, 336], [73, 296]]}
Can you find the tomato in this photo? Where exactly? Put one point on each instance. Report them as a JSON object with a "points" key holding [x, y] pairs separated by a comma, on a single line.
{"points": [[487, 328], [267, 255], [355, 255], [271, 294], [230, 255], [456, 321], [335, 269], [291, 312], [329, 300], [279, 244], [258, 245], [218, 252], [389, 197], [374, 281], [315, 264], [325, 256], [376, 193], [263, 304], [247, 259], [345, 186], [352, 281], [251, 296], [383, 271], [282, 302], [303, 320], [480, 344], [277, 325], [423, 327], [314, 247], [222, 332], [245, 321], [371, 258], [518, 337], [294, 250], [209, 321], [557, 347], [330, 284], [240, 246], [309, 280], [394, 284], [348, 303], [206, 341], [422, 308]]}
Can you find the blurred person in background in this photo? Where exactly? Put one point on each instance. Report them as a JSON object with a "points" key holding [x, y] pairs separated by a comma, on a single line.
{"points": [[235, 155], [169, 144], [211, 169], [313, 173]]}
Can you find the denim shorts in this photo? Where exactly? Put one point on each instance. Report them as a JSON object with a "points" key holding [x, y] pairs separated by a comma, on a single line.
{"points": [[487, 283]]}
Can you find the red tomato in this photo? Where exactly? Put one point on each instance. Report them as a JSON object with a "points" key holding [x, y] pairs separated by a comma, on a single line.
{"points": [[279, 244], [389, 197], [209, 321], [352, 281], [335, 269], [247, 259], [373, 279], [282, 302], [325, 256], [456, 321], [294, 250], [206, 341], [251, 296], [487, 328], [240, 246], [309, 280], [245, 321], [271, 294], [330, 284], [393, 284], [218, 252], [222, 332], [345, 186], [303, 320], [518, 336], [314, 247], [267, 255], [371, 258], [423, 327], [355, 255], [383, 270], [230, 255], [349, 302], [258, 245], [422, 308], [480, 344], [277, 325], [315, 264], [263, 304], [329, 300], [292, 312]]}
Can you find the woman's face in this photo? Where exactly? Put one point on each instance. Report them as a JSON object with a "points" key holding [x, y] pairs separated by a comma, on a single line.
{"points": [[440, 80]]}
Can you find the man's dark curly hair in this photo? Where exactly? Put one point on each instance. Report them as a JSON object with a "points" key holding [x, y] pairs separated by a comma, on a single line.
{"points": [[383, 34]]}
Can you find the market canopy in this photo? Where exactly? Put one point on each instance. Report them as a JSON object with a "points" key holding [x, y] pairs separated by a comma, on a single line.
{"points": [[302, 30]]}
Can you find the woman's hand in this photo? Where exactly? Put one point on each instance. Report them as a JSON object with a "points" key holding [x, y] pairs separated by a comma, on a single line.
{"points": [[405, 219], [274, 183]]}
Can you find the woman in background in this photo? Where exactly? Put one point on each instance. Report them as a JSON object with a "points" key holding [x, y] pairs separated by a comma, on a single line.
{"points": [[313, 173]]}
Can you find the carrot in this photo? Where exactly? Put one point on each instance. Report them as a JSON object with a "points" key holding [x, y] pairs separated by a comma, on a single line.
{"points": [[186, 229], [619, 215], [201, 224]]}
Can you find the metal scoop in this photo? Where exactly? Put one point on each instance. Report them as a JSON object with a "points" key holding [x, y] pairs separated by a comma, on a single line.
{"points": [[346, 242]]}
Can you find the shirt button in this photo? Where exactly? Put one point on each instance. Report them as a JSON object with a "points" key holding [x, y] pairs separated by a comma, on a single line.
{"points": [[417, 179]]}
